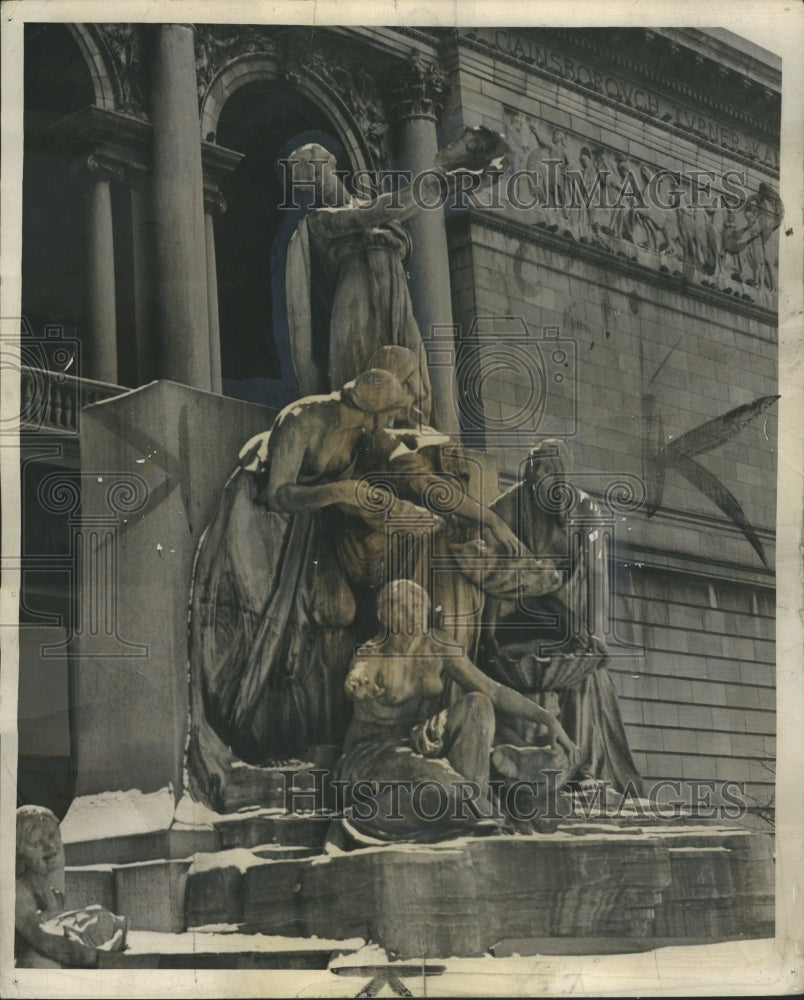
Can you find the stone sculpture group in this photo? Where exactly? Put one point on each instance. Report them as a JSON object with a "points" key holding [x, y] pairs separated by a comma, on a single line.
{"points": [[352, 590], [351, 559]]}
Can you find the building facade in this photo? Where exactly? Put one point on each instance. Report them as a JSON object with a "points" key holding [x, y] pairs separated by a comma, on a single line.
{"points": [[616, 289]]}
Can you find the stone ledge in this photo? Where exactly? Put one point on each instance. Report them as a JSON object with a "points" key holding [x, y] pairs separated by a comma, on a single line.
{"points": [[225, 949], [574, 882]]}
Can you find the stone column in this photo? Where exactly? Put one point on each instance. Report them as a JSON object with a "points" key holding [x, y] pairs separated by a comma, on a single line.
{"points": [[418, 97], [144, 280], [182, 303], [99, 360], [217, 164], [213, 205]]}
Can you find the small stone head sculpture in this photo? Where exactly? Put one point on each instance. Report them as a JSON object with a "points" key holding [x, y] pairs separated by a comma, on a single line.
{"points": [[40, 851]]}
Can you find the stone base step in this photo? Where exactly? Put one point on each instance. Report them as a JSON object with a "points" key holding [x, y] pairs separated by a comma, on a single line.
{"points": [[214, 949], [605, 882], [463, 897], [273, 787], [284, 852], [126, 849], [125, 827], [168, 895], [525, 947], [250, 828], [272, 826]]}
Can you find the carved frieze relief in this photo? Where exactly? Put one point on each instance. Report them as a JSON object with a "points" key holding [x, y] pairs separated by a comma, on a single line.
{"points": [[218, 44], [751, 136], [715, 226]]}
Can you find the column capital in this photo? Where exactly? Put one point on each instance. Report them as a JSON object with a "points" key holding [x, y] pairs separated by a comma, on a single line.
{"points": [[214, 203], [420, 88], [99, 167]]}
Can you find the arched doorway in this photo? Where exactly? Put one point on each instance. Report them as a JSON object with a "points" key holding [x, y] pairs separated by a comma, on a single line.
{"points": [[57, 82], [257, 120]]}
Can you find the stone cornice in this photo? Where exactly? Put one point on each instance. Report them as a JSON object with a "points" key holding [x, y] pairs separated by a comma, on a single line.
{"points": [[120, 143], [627, 63], [432, 39], [614, 262], [670, 561], [739, 53], [714, 87]]}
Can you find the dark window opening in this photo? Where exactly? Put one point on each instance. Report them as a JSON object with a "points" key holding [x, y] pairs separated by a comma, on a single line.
{"points": [[56, 83], [256, 121]]}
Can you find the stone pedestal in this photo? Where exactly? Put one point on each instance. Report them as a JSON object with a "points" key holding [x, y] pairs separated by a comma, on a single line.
{"points": [[580, 888], [153, 463]]}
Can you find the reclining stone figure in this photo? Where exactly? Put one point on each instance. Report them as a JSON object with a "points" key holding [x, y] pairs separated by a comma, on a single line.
{"points": [[402, 737]]}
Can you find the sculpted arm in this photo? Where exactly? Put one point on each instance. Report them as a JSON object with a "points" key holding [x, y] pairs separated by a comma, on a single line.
{"points": [[289, 443], [28, 923], [467, 508], [505, 699]]}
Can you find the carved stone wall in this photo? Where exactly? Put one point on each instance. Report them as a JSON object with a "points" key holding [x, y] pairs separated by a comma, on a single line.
{"points": [[673, 303]]}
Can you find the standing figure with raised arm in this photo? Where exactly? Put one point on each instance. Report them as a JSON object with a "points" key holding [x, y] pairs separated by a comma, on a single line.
{"points": [[345, 281]]}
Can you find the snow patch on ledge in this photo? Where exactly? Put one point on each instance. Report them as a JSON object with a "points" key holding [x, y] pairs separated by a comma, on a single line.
{"points": [[205, 942], [117, 814], [237, 857], [190, 813]]}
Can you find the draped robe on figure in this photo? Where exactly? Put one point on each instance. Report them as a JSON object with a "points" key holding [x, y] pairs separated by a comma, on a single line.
{"points": [[270, 635], [347, 296], [510, 649]]}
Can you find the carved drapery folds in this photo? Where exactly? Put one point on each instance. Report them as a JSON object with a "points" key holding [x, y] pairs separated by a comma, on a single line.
{"points": [[617, 203], [420, 89]]}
